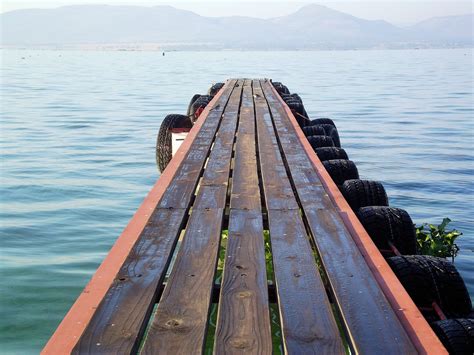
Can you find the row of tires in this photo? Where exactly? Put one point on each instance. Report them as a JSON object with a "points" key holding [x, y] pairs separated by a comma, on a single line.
{"points": [[433, 283], [164, 145]]}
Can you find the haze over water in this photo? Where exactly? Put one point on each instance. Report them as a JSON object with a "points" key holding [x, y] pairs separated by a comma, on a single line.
{"points": [[78, 135]]}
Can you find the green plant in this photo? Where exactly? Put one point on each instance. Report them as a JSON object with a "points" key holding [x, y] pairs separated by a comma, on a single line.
{"points": [[436, 240]]}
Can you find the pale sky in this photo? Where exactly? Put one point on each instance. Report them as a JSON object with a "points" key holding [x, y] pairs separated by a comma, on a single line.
{"points": [[401, 12]]}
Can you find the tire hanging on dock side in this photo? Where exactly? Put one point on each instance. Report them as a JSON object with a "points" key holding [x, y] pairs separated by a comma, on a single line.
{"points": [[430, 279], [198, 106], [363, 193], [320, 141], [341, 170], [314, 131], [330, 131], [190, 106], [323, 120], [164, 148], [389, 224], [457, 335], [214, 89], [330, 153]]}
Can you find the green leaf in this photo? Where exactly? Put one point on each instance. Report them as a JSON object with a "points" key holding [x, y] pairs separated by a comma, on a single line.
{"points": [[438, 241]]}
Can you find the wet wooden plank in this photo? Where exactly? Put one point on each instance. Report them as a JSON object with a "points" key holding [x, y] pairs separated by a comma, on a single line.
{"points": [[179, 325], [121, 318], [245, 190], [363, 305], [180, 322], [274, 175], [308, 325], [243, 322], [182, 187]]}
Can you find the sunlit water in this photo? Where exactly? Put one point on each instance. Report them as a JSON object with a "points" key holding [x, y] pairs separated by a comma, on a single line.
{"points": [[77, 145]]}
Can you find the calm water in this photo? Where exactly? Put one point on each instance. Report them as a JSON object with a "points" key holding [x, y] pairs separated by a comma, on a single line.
{"points": [[77, 145]]}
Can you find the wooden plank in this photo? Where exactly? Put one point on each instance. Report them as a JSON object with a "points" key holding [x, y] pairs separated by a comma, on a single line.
{"points": [[122, 315], [182, 187], [116, 324], [243, 324], [179, 325], [245, 190], [243, 321], [180, 322], [360, 300], [308, 325]]}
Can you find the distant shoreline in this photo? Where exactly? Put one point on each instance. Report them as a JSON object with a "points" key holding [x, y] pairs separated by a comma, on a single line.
{"points": [[192, 48]]}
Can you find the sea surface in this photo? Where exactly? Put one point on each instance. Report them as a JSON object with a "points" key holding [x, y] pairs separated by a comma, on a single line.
{"points": [[78, 133]]}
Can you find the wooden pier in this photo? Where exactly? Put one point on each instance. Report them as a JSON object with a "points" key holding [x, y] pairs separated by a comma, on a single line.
{"points": [[245, 168]]}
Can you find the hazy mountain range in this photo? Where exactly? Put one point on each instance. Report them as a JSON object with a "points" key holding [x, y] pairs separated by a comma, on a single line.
{"points": [[165, 27]]}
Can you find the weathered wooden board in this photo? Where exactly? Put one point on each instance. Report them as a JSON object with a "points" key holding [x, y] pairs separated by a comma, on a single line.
{"points": [[183, 185], [243, 323], [121, 318], [369, 320], [308, 325], [180, 322]]}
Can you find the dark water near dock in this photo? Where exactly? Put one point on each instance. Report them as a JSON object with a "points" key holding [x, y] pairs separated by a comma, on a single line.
{"points": [[77, 143]]}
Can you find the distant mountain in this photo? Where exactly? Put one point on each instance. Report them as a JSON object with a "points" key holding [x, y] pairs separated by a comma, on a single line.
{"points": [[311, 27], [450, 29], [315, 25]]}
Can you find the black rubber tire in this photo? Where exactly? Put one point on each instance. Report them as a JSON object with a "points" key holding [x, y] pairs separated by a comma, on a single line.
{"points": [[163, 141], [341, 170], [291, 97], [363, 193], [297, 108], [457, 335], [385, 224], [302, 121], [282, 89], [201, 102], [330, 153], [313, 131], [297, 97], [320, 141], [331, 131], [214, 89], [429, 279], [277, 84], [193, 100], [323, 120]]}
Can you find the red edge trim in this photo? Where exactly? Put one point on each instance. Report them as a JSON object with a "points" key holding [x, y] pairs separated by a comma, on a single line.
{"points": [[417, 328], [79, 315]]}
